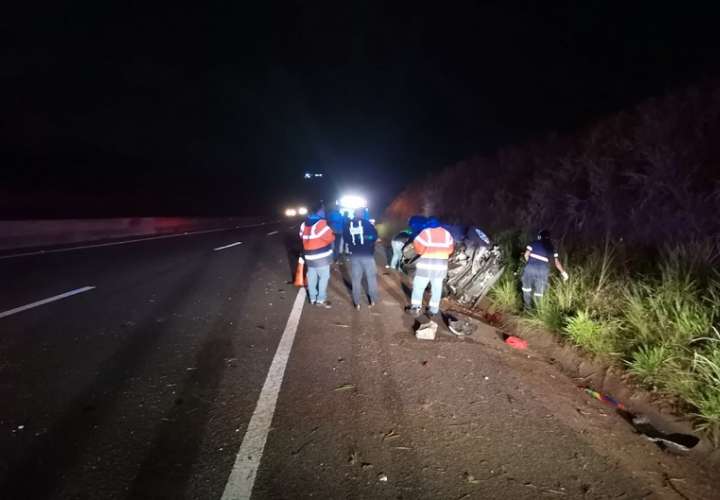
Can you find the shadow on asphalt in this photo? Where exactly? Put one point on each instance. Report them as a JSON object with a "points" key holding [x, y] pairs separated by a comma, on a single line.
{"points": [[168, 464], [293, 249], [59, 449]]}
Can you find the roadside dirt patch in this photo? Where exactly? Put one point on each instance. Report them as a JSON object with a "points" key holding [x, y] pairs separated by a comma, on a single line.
{"points": [[627, 416]]}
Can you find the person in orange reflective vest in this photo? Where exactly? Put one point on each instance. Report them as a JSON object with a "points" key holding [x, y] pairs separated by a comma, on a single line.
{"points": [[434, 244], [317, 239]]}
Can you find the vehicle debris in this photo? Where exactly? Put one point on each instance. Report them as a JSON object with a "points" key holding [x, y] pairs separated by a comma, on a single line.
{"points": [[516, 342], [426, 331], [604, 398], [667, 441], [458, 324], [391, 435]]}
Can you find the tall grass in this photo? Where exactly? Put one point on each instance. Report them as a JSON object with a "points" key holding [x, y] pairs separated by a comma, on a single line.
{"points": [[704, 388], [505, 295], [659, 324], [599, 336], [653, 365]]}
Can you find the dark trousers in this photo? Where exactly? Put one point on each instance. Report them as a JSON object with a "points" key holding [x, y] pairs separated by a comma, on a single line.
{"points": [[337, 246], [363, 265], [534, 283]]}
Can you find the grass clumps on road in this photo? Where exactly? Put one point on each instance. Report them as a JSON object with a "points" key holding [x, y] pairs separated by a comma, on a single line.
{"points": [[659, 322]]}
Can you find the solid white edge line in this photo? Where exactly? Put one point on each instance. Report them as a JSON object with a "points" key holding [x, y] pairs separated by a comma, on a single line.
{"points": [[272, 233], [125, 242], [242, 477], [46, 301], [227, 246]]}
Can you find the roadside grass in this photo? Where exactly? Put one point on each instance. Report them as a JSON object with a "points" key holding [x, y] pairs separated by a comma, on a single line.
{"points": [[505, 295], [660, 325], [654, 365], [599, 336]]}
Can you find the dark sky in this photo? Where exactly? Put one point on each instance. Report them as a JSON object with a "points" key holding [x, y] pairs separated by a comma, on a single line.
{"points": [[143, 109]]}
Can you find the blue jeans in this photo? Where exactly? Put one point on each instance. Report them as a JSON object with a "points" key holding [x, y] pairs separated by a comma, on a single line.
{"points": [[363, 265], [397, 247], [318, 278], [420, 283], [534, 283]]}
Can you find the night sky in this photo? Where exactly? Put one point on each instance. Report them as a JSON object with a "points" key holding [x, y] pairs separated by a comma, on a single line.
{"points": [[149, 110]]}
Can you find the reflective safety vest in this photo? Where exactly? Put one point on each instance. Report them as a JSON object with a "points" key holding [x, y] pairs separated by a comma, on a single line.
{"points": [[434, 245], [541, 253], [317, 242], [357, 231]]}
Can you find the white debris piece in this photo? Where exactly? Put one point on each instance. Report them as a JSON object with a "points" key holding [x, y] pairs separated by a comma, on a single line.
{"points": [[426, 331]]}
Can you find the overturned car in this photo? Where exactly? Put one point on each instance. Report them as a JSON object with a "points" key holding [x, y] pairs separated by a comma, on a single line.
{"points": [[473, 268]]}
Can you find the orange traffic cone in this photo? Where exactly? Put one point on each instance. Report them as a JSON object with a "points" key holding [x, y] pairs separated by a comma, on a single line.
{"points": [[299, 273]]}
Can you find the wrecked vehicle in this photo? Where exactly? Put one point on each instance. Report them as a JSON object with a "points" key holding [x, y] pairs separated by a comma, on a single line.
{"points": [[473, 268]]}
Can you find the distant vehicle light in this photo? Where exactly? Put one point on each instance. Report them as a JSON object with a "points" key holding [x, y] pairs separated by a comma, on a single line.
{"points": [[291, 212], [353, 202], [308, 175], [318, 175], [302, 211]]}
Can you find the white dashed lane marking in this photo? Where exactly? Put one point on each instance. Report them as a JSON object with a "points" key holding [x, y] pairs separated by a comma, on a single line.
{"points": [[125, 242], [227, 246], [46, 301]]}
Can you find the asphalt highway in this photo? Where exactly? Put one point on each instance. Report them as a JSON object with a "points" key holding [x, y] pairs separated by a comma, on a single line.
{"points": [[158, 364]]}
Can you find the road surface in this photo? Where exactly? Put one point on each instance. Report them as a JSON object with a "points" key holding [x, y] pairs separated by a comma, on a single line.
{"points": [[141, 370]]}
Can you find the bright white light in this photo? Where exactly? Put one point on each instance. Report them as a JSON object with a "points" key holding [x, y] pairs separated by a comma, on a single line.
{"points": [[318, 175], [291, 212], [308, 175], [302, 211], [353, 202]]}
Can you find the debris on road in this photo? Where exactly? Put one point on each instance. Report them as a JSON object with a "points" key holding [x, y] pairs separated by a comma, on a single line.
{"points": [[458, 324], [426, 331], [341, 325], [382, 478], [391, 435], [516, 342], [344, 387], [604, 398], [301, 447], [673, 441], [470, 478]]}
